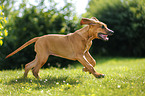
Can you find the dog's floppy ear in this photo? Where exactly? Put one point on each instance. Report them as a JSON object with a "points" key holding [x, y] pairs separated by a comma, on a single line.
{"points": [[87, 21]]}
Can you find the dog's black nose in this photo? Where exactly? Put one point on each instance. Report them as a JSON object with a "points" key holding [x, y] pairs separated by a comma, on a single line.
{"points": [[110, 32]]}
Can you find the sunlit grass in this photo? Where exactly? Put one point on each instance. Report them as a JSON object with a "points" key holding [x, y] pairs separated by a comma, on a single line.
{"points": [[124, 77]]}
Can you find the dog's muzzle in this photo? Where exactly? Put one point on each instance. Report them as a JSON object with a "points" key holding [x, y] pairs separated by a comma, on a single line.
{"points": [[105, 36]]}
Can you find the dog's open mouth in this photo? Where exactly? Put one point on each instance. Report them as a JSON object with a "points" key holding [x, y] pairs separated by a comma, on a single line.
{"points": [[103, 36]]}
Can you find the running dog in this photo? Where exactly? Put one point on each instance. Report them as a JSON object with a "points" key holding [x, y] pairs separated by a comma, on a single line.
{"points": [[73, 46]]}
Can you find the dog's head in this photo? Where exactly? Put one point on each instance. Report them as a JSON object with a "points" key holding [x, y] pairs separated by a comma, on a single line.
{"points": [[98, 29]]}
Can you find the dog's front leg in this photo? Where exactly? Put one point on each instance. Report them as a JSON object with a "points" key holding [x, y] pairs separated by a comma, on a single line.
{"points": [[90, 59], [82, 59]]}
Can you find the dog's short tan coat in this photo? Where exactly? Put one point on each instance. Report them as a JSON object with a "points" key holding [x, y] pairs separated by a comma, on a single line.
{"points": [[74, 46]]}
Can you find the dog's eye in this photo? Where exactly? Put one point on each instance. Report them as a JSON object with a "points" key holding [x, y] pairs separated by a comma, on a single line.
{"points": [[102, 26]]}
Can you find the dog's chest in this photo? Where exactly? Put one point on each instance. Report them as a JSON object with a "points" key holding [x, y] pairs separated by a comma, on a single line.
{"points": [[87, 46]]}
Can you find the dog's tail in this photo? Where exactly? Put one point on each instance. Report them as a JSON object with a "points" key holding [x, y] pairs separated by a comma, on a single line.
{"points": [[23, 46]]}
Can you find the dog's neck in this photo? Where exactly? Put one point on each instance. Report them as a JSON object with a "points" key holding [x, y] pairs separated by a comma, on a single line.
{"points": [[85, 34]]}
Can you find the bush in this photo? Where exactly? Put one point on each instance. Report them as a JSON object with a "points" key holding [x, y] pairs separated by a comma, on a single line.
{"points": [[127, 19]]}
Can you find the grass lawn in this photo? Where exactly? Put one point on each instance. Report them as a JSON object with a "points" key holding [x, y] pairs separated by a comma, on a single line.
{"points": [[124, 77]]}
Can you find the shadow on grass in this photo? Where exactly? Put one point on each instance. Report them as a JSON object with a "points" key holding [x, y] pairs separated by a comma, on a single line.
{"points": [[44, 83]]}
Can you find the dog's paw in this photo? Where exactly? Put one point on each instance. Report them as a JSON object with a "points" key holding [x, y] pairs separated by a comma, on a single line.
{"points": [[100, 76]]}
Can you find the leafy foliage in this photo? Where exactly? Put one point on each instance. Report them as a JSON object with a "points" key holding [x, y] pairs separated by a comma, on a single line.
{"points": [[127, 19], [3, 21]]}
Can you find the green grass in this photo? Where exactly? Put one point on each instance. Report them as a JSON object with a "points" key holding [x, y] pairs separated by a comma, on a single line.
{"points": [[124, 77]]}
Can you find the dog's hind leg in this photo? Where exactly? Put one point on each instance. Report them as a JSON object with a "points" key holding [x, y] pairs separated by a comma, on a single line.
{"points": [[42, 58], [29, 66]]}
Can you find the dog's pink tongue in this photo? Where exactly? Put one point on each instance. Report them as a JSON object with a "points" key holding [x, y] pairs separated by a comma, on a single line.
{"points": [[105, 37]]}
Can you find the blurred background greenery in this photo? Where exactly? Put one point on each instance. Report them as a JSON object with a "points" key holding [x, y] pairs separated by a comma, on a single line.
{"points": [[25, 21]]}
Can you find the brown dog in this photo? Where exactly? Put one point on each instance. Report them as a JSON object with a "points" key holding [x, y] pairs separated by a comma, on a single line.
{"points": [[74, 46]]}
